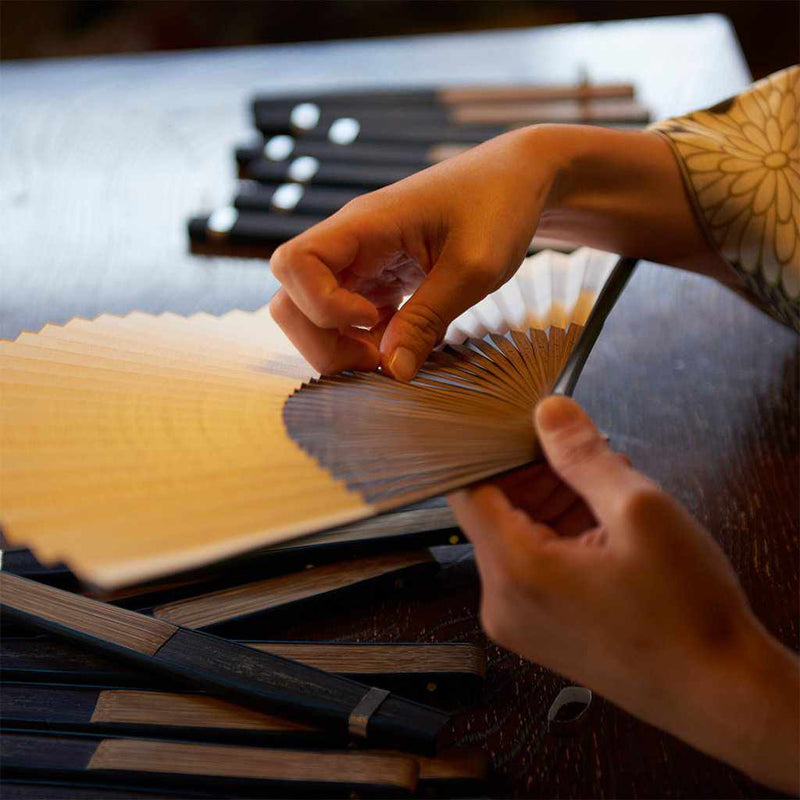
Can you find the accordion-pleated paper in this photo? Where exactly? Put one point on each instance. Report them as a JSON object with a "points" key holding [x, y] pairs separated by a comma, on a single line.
{"points": [[138, 446]]}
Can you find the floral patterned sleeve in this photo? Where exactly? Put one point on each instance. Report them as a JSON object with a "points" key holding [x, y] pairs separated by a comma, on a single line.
{"points": [[741, 166]]}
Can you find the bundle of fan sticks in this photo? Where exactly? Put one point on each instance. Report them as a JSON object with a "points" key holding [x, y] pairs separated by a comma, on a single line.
{"points": [[312, 153], [163, 688]]}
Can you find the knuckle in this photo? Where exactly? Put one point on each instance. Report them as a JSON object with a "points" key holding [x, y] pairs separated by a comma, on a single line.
{"points": [[323, 316], [358, 204], [478, 268]]}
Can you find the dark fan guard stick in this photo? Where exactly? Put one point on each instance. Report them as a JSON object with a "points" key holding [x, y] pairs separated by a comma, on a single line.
{"points": [[260, 231], [230, 770], [286, 148], [341, 122], [619, 277], [256, 679], [307, 169], [292, 198], [449, 96]]}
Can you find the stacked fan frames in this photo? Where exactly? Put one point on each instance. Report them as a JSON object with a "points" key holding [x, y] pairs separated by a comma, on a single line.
{"points": [[138, 446]]}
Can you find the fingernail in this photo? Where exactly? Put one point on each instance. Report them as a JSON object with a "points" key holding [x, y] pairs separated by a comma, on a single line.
{"points": [[403, 364], [555, 413]]}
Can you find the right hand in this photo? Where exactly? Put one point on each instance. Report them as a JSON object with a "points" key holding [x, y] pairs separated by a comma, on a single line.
{"points": [[450, 234], [626, 593]]}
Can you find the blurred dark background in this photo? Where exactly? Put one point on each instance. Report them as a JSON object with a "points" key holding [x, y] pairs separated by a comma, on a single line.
{"points": [[767, 29]]}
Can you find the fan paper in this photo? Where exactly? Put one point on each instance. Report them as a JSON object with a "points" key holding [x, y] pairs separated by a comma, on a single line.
{"points": [[138, 446]]}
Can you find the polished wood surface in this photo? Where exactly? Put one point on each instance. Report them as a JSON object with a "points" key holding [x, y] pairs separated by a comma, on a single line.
{"points": [[101, 162]]}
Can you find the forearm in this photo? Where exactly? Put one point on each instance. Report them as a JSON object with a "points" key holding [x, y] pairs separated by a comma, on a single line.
{"points": [[622, 191], [741, 704]]}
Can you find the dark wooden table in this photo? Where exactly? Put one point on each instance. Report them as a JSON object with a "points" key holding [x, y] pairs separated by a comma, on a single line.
{"points": [[101, 161]]}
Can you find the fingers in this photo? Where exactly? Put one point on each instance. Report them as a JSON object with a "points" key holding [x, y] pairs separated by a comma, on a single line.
{"points": [[310, 278], [328, 351], [583, 459], [453, 286], [502, 536]]}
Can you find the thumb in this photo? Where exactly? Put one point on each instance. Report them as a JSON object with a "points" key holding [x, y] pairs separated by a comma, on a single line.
{"points": [[450, 288], [579, 454]]}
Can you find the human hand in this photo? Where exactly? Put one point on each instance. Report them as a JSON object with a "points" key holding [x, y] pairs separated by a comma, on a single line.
{"points": [[634, 599], [457, 231], [451, 234]]}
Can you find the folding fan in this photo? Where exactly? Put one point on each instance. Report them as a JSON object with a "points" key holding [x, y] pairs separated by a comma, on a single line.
{"points": [[137, 446]]}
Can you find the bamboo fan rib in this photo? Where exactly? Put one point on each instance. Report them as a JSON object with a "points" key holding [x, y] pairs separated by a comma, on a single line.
{"points": [[467, 415], [137, 446]]}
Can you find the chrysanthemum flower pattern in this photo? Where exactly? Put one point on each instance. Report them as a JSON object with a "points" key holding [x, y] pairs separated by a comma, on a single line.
{"points": [[741, 164]]}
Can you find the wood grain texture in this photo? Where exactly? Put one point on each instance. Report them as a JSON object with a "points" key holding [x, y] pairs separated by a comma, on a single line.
{"points": [[445, 675], [193, 765], [349, 769], [163, 708], [117, 626], [374, 658], [284, 590], [101, 166], [53, 660]]}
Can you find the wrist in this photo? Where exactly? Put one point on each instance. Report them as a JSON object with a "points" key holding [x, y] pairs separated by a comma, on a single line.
{"points": [[773, 678], [743, 706], [619, 191], [553, 150]]}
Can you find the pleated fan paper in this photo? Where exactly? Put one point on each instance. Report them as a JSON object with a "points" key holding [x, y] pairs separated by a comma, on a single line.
{"points": [[139, 446]]}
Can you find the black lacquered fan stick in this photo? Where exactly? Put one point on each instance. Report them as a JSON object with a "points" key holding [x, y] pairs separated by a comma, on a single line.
{"points": [[400, 130], [294, 198], [147, 712], [251, 234], [287, 148], [240, 674], [342, 124], [252, 771], [565, 384], [39, 788], [449, 95], [458, 772], [152, 711], [307, 169], [444, 673]]}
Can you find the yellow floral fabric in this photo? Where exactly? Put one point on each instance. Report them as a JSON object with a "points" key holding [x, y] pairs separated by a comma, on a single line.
{"points": [[741, 165]]}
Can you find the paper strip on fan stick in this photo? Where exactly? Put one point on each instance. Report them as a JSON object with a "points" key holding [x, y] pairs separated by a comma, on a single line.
{"points": [[138, 446]]}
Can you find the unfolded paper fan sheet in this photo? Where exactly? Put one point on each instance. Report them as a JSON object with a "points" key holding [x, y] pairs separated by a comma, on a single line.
{"points": [[138, 446], [143, 445]]}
